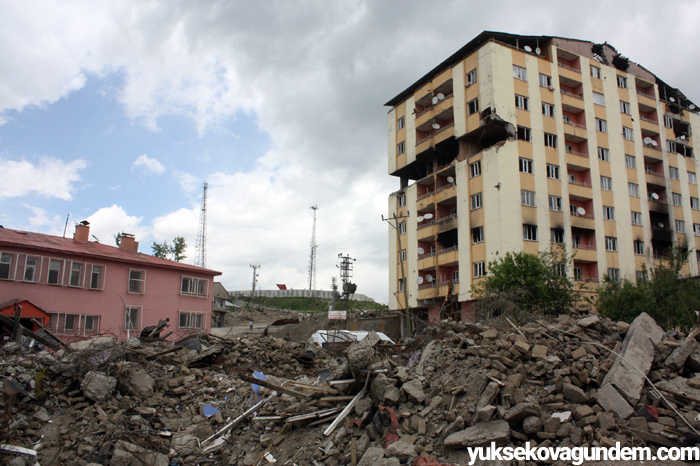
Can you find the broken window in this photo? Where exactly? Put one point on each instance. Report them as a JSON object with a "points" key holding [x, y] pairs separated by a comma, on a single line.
{"points": [[193, 320], [601, 125], [473, 107], [603, 154], [545, 81], [30, 269], [550, 140], [133, 318], [519, 73], [625, 108], [96, 277], [553, 171], [621, 82], [526, 165], [522, 102], [137, 281], [471, 77], [555, 203], [608, 212], [401, 148], [477, 235], [194, 286], [479, 269], [400, 123], [524, 134], [5, 265], [547, 109], [530, 232], [636, 218], [55, 271], [475, 169], [639, 247], [611, 243], [557, 235], [595, 72]]}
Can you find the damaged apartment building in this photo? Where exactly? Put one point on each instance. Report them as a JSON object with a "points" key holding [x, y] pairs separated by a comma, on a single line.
{"points": [[515, 143]]}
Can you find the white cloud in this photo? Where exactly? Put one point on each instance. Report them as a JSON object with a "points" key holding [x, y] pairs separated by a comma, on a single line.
{"points": [[147, 165], [48, 177], [108, 221]]}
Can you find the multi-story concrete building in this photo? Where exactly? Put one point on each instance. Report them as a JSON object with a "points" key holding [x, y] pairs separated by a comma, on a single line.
{"points": [[517, 142]]}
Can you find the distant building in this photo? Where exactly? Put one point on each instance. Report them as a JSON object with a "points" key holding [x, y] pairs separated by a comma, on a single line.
{"points": [[221, 300], [301, 293], [515, 143], [90, 288]]}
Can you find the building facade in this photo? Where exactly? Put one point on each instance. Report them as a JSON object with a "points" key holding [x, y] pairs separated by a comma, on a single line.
{"points": [[515, 143], [90, 288]]}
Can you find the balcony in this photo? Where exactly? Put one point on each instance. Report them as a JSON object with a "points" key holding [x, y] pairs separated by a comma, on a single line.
{"points": [[571, 101], [426, 230], [447, 223], [448, 256], [646, 97], [575, 132], [580, 189], [652, 152], [655, 175], [586, 221], [425, 202], [426, 261], [586, 252], [447, 195], [427, 290]]}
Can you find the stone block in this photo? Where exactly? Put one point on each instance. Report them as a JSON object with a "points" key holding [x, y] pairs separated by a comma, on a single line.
{"points": [[522, 410], [679, 355], [414, 391], [573, 393], [401, 450], [97, 386], [539, 351], [611, 400], [480, 434]]}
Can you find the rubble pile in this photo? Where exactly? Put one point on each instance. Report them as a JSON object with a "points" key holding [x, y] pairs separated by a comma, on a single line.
{"points": [[251, 401]]}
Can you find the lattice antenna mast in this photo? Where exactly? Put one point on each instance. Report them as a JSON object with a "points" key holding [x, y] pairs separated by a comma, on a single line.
{"points": [[312, 257], [200, 254]]}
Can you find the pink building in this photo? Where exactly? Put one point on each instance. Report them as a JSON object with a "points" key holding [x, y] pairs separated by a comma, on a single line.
{"points": [[90, 288]]}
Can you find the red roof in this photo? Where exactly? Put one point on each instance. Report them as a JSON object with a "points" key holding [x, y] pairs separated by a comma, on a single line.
{"points": [[56, 244]]}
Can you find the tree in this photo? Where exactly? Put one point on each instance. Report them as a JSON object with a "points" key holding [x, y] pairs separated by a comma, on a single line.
{"points": [[118, 239], [175, 251], [538, 283], [662, 294]]}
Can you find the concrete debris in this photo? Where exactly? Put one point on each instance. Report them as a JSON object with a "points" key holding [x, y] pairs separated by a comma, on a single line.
{"points": [[422, 401]]}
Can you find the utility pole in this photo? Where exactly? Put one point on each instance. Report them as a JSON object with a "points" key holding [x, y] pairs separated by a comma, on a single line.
{"points": [[312, 258], [395, 225], [255, 278]]}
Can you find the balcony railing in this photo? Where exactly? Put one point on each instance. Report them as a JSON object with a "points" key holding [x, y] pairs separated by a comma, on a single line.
{"points": [[425, 286], [455, 281], [569, 67], [426, 255], [446, 218], [576, 214], [426, 224], [427, 109], [571, 94], [429, 136], [649, 171], [647, 119], [423, 196], [640, 92], [660, 200], [449, 185], [443, 128], [651, 146], [446, 250], [578, 125], [580, 154], [580, 183], [590, 247]]}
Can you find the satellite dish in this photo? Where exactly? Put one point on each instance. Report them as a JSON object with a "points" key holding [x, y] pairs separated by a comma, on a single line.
{"points": [[429, 278], [654, 143], [655, 196], [661, 225], [436, 126], [421, 251], [435, 100], [581, 211], [420, 219], [450, 179], [528, 48], [691, 106], [682, 136], [647, 140], [440, 96], [420, 280], [538, 51], [671, 99], [428, 216]]}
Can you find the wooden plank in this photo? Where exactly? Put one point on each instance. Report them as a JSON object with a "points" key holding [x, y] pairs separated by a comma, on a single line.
{"points": [[271, 386], [10, 322], [347, 409]]}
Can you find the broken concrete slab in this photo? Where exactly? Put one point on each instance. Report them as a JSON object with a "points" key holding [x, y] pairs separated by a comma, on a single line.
{"points": [[638, 351], [677, 358], [414, 390], [483, 433], [97, 386]]}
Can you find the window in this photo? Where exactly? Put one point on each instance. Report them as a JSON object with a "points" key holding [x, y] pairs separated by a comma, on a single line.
{"points": [[595, 72], [530, 232], [133, 318], [547, 109], [611, 243], [553, 171], [625, 108], [608, 212], [526, 165], [402, 287], [401, 199], [550, 140], [567, 119], [471, 77], [639, 247], [560, 269], [401, 147], [668, 122], [671, 147], [614, 274], [627, 133], [524, 134], [636, 218], [400, 123], [477, 235], [402, 228], [677, 200], [599, 99], [69, 323], [479, 269], [601, 125], [557, 235], [55, 271], [473, 107], [5, 265], [603, 154], [519, 73], [606, 183], [555, 203], [578, 274], [576, 241], [641, 275], [475, 169], [545, 81], [696, 229], [633, 189], [197, 286], [680, 226], [673, 173], [692, 179], [695, 203], [193, 320], [76, 274], [476, 201], [621, 82], [630, 161], [455, 276], [137, 281], [527, 198], [91, 323], [402, 255], [30, 267], [96, 277], [522, 102]]}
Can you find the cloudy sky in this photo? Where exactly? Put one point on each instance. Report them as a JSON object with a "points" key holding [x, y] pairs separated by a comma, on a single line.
{"points": [[118, 111]]}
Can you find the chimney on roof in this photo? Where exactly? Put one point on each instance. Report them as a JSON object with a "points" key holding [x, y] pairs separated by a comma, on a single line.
{"points": [[82, 232], [129, 243]]}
